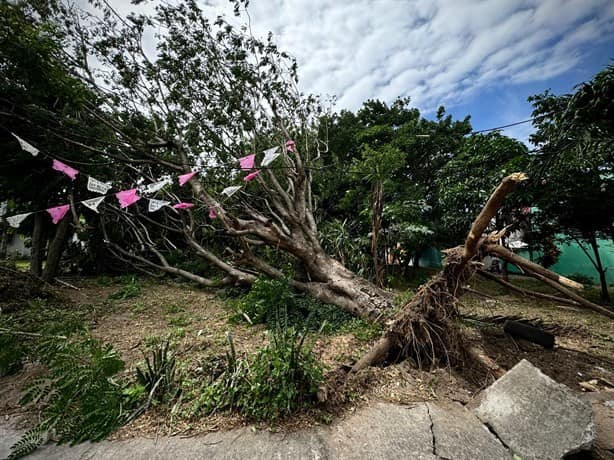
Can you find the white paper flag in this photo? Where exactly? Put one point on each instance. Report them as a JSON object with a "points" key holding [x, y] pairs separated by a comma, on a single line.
{"points": [[14, 221], [3, 207], [94, 185], [269, 156], [93, 203], [154, 205], [25, 146], [230, 191], [154, 187]]}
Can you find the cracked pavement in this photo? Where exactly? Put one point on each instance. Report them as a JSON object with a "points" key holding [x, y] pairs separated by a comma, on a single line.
{"points": [[380, 431]]}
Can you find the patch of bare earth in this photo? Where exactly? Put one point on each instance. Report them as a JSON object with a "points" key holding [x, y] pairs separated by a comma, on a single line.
{"points": [[198, 322]]}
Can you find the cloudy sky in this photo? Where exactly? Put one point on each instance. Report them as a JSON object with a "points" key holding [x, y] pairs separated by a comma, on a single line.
{"points": [[475, 57]]}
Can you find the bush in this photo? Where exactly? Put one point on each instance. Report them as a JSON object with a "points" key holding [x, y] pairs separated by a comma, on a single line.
{"points": [[280, 379], [159, 375], [80, 399], [268, 298]]}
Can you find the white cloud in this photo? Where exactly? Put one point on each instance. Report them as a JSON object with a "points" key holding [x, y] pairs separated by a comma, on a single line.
{"points": [[435, 51]]}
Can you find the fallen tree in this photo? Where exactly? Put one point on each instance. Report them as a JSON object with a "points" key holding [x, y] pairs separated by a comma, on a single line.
{"points": [[426, 328]]}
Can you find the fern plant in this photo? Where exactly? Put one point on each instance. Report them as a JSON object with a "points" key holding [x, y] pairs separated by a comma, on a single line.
{"points": [[80, 399]]}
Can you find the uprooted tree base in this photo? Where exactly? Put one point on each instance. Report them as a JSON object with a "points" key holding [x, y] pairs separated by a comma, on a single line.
{"points": [[426, 329]]}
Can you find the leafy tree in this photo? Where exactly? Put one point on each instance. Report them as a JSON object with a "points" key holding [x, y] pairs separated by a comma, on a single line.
{"points": [[467, 179], [392, 154], [574, 164]]}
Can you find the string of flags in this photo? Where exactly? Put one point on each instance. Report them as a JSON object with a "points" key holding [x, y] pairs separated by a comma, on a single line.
{"points": [[128, 197]]}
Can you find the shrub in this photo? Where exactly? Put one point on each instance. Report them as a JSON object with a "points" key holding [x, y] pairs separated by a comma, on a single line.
{"points": [[80, 399], [159, 376], [280, 379], [268, 298]]}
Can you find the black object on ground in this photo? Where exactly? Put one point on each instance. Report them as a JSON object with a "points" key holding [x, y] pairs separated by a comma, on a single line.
{"points": [[530, 333]]}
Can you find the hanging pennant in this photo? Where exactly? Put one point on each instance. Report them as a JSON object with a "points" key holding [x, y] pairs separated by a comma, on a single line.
{"points": [[269, 156], [25, 146], [93, 203], [248, 161], [250, 176], [230, 191], [127, 197], [70, 172], [17, 219], [212, 213], [97, 186], [3, 207], [155, 205], [155, 187], [183, 205], [290, 145], [58, 213], [186, 177]]}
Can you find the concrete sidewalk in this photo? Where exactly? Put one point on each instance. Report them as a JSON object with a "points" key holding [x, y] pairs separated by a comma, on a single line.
{"points": [[382, 431]]}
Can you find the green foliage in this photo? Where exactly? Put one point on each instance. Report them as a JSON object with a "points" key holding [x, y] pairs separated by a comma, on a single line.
{"points": [[272, 302], [130, 290], [159, 376], [80, 399], [281, 378], [11, 353]]}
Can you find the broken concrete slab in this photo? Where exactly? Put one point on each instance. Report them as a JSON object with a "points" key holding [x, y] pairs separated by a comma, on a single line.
{"points": [[384, 432], [603, 408], [459, 435], [536, 417]]}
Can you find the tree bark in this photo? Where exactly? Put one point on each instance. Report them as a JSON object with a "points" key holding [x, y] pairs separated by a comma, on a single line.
{"points": [[39, 241], [605, 295], [4, 241], [56, 249], [376, 226], [524, 292]]}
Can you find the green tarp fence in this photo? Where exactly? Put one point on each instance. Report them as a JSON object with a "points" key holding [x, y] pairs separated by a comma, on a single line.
{"points": [[572, 260]]}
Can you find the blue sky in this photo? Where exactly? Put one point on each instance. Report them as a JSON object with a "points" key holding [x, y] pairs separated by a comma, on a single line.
{"points": [[478, 57]]}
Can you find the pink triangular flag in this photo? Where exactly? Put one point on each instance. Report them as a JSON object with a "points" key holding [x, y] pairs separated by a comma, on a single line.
{"points": [[248, 161], [186, 177], [212, 213], [58, 213], [183, 205], [70, 172], [290, 145], [127, 197], [250, 176]]}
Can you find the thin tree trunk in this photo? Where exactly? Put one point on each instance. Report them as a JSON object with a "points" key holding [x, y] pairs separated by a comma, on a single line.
{"points": [[56, 249], [605, 295], [376, 226], [4, 242], [38, 245]]}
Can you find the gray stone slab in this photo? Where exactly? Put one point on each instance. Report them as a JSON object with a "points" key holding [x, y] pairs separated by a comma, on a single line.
{"points": [[459, 435], [231, 445], [536, 417], [384, 432]]}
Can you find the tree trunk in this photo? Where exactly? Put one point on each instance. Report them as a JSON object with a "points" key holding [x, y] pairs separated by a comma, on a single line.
{"points": [[605, 295], [39, 241], [376, 226], [4, 242], [56, 249]]}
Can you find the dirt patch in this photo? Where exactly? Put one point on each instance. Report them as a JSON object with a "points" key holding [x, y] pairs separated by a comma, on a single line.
{"points": [[197, 321]]}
